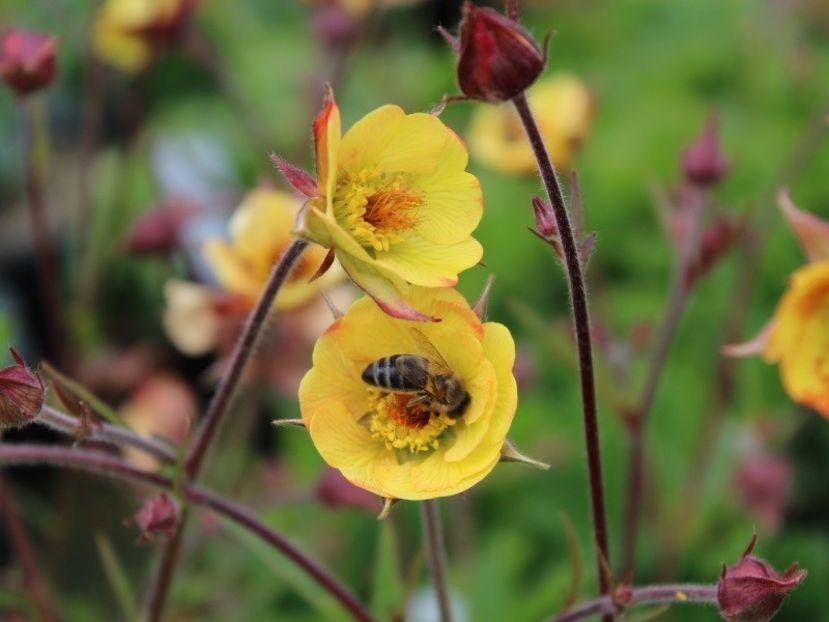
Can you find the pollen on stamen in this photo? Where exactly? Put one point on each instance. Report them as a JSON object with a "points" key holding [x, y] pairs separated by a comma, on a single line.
{"points": [[416, 431]]}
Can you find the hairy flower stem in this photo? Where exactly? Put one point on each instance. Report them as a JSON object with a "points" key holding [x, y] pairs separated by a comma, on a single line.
{"points": [[581, 320], [436, 555], [215, 415], [18, 538], [35, 147], [638, 420], [110, 466], [649, 595]]}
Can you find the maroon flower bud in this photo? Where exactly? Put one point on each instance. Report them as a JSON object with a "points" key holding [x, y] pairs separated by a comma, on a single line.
{"points": [[334, 26], [703, 163], [157, 231], [21, 394], [717, 240], [337, 492], [545, 220], [27, 60], [498, 59], [752, 591], [157, 517], [763, 483]]}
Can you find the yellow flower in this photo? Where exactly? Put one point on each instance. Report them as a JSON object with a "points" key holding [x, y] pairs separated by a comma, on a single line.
{"points": [[394, 201], [366, 432], [797, 337], [126, 31], [260, 231], [360, 8], [563, 109]]}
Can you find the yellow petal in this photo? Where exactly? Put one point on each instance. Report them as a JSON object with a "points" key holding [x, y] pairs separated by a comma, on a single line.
{"points": [[261, 226], [424, 263], [811, 231], [231, 274], [499, 349], [805, 366], [327, 132], [473, 426]]}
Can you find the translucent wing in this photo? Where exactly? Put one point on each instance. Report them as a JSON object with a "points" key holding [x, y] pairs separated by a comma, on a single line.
{"points": [[430, 351]]}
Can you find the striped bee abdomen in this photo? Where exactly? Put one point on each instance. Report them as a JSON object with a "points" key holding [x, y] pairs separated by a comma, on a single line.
{"points": [[398, 372]]}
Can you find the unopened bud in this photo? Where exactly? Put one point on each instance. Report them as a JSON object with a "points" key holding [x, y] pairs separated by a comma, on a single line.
{"points": [[703, 163], [157, 517], [545, 220], [157, 231], [334, 25], [716, 241], [21, 394], [498, 59], [752, 591], [27, 60]]}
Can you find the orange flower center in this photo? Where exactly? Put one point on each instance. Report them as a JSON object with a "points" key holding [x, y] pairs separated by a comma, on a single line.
{"points": [[375, 207], [415, 429]]}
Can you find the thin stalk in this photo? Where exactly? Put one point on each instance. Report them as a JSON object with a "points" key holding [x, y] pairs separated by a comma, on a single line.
{"points": [[650, 595], [106, 433], [110, 466], [20, 543], [216, 412], [436, 555], [581, 320], [35, 147], [638, 421]]}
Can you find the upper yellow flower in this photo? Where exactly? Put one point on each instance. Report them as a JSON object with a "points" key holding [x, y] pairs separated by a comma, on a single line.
{"points": [[563, 109], [260, 231], [125, 31], [394, 202], [797, 338], [360, 8], [378, 439]]}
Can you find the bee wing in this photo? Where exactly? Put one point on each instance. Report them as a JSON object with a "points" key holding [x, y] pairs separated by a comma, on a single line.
{"points": [[429, 350], [415, 375]]}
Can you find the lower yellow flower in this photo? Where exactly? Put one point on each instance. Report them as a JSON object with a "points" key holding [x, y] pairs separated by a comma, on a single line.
{"points": [[563, 109], [384, 441], [260, 232]]}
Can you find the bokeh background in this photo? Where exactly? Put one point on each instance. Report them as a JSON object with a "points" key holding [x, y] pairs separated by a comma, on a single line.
{"points": [[728, 452]]}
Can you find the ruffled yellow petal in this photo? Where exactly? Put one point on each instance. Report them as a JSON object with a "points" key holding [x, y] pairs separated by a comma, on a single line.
{"points": [[327, 132], [499, 349], [423, 263]]}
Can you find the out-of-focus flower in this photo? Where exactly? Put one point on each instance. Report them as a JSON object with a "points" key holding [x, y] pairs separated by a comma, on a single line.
{"points": [[703, 162], [260, 233], [563, 108], [382, 442], [497, 58], [752, 591], [157, 517], [336, 491], [360, 8], [157, 231], [190, 318], [126, 33], [763, 482], [394, 202], [163, 406], [797, 338], [21, 394], [27, 60]]}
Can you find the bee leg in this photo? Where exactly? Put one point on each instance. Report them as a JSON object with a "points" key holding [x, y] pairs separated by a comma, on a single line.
{"points": [[415, 401]]}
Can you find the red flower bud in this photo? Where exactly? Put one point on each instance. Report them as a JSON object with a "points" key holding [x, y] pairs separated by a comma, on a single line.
{"points": [[703, 163], [498, 59], [157, 231], [752, 591], [157, 517], [337, 492], [27, 60], [545, 220], [21, 394]]}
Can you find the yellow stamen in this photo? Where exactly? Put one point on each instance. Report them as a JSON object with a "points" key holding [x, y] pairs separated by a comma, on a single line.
{"points": [[375, 207], [416, 431]]}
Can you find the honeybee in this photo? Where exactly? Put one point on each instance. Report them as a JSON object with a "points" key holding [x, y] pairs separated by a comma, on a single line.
{"points": [[427, 376]]}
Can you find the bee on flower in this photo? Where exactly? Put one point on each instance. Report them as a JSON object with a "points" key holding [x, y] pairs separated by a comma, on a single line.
{"points": [[392, 201], [797, 337], [564, 110], [411, 410]]}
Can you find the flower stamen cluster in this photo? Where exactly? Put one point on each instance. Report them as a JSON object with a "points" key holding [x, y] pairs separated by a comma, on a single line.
{"points": [[413, 430]]}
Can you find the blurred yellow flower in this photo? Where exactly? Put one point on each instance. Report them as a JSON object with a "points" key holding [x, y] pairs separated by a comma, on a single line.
{"points": [[368, 434], [395, 202], [563, 108], [260, 231], [797, 338], [359, 8], [126, 31]]}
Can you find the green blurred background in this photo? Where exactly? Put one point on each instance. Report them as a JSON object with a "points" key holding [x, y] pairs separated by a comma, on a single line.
{"points": [[656, 70]]}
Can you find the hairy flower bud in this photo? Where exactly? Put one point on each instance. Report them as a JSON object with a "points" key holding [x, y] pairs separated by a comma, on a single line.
{"points": [[157, 517], [752, 591], [27, 60], [498, 59], [21, 394], [703, 163]]}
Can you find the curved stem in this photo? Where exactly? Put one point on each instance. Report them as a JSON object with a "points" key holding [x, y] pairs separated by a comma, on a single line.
{"points": [[649, 595], [436, 555], [110, 466], [106, 433], [215, 415], [581, 320]]}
